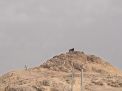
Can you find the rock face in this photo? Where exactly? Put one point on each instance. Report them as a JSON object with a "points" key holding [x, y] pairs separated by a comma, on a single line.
{"points": [[55, 75]]}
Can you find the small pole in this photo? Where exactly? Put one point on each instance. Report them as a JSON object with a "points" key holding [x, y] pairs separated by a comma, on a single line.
{"points": [[72, 78], [82, 78]]}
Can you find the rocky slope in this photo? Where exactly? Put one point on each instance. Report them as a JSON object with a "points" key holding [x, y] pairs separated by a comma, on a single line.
{"points": [[55, 75]]}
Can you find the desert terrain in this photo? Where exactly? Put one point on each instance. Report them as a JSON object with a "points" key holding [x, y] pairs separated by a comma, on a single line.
{"points": [[63, 72]]}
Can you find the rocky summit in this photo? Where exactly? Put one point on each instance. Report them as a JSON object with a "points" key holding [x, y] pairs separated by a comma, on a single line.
{"points": [[63, 73]]}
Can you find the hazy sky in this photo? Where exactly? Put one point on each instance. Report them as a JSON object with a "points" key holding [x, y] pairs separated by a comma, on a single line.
{"points": [[34, 30]]}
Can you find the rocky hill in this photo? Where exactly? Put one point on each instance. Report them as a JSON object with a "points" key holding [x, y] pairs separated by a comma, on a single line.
{"points": [[92, 63], [56, 75]]}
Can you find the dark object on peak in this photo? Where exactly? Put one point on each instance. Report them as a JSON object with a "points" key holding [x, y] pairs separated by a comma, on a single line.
{"points": [[71, 50]]}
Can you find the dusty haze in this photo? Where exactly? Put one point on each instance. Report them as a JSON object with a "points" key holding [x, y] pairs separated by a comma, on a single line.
{"points": [[34, 30]]}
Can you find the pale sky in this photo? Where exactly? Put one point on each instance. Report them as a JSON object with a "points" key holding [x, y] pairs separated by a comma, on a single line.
{"points": [[32, 31]]}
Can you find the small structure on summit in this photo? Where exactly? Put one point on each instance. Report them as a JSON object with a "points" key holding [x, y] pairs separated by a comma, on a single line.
{"points": [[26, 67], [71, 50]]}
